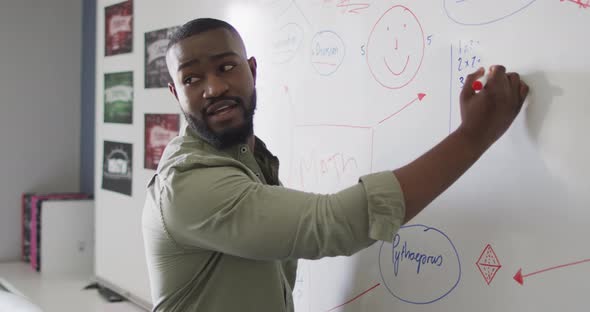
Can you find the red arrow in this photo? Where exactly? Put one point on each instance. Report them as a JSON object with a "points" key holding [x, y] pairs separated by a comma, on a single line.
{"points": [[419, 98], [519, 277]]}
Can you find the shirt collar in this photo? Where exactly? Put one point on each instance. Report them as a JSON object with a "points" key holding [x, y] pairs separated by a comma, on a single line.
{"points": [[234, 151]]}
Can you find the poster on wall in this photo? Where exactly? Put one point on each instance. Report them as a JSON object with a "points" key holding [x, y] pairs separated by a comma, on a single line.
{"points": [[156, 72], [159, 130], [118, 28], [117, 167], [118, 97]]}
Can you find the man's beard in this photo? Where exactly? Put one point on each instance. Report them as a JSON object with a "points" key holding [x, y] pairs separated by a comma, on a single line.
{"points": [[226, 137]]}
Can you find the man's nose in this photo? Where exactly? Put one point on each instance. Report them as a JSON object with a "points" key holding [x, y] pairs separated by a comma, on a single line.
{"points": [[215, 87]]}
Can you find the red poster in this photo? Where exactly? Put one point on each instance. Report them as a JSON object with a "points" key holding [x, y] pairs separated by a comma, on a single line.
{"points": [[118, 28], [159, 130]]}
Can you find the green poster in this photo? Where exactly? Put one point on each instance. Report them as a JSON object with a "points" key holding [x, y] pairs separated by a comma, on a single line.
{"points": [[118, 97]]}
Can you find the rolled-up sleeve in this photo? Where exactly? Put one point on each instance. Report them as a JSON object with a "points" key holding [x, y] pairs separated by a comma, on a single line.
{"points": [[386, 203], [224, 209]]}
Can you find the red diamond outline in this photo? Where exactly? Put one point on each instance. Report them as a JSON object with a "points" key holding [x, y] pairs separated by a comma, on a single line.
{"points": [[479, 265]]}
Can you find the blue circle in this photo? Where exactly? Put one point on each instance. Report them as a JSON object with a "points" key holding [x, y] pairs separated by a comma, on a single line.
{"points": [[426, 228], [335, 35], [486, 22]]}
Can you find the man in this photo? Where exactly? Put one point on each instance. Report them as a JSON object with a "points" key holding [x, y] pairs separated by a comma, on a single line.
{"points": [[222, 235]]}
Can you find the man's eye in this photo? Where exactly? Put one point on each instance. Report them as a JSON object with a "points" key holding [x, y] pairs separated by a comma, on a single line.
{"points": [[190, 80], [227, 67]]}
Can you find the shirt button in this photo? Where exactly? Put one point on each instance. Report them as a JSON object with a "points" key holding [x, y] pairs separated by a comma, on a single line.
{"points": [[243, 149], [257, 174]]}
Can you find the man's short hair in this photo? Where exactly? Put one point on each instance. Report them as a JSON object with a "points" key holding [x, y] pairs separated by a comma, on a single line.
{"points": [[198, 26]]}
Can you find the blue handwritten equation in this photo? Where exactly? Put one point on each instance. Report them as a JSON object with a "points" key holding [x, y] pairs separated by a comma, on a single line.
{"points": [[465, 59], [420, 266], [468, 59]]}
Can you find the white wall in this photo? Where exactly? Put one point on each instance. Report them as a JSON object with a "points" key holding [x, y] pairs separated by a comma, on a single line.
{"points": [[40, 68]]}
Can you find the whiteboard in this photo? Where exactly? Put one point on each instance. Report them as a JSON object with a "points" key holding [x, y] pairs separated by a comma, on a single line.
{"points": [[351, 87]]}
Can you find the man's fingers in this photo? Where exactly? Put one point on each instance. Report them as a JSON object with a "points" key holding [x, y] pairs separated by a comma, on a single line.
{"points": [[468, 91], [514, 83], [524, 90], [496, 73], [497, 70], [514, 79]]}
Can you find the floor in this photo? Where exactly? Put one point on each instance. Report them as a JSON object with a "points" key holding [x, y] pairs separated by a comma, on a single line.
{"points": [[50, 294]]}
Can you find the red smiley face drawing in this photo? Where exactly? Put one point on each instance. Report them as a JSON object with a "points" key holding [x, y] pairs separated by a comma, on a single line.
{"points": [[395, 48]]}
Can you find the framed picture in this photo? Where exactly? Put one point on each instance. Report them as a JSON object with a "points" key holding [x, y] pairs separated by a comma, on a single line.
{"points": [[156, 72], [118, 24], [160, 129], [117, 173], [118, 97]]}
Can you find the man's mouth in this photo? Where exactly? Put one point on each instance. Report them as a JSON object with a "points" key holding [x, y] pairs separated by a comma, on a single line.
{"points": [[221, 107]]}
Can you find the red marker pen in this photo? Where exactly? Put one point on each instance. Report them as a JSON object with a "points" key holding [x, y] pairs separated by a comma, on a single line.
{"points": [[478, 85]]}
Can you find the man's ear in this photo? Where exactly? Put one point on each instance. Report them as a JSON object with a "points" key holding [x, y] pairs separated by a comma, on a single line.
{"points": [[172, 90], [253, 65]]}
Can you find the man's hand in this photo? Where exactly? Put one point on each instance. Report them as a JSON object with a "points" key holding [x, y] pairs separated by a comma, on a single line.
{"points": [[486, 115]]}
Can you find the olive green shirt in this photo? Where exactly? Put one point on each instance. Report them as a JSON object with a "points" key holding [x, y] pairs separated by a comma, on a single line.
{"points": [[221, 234]]}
